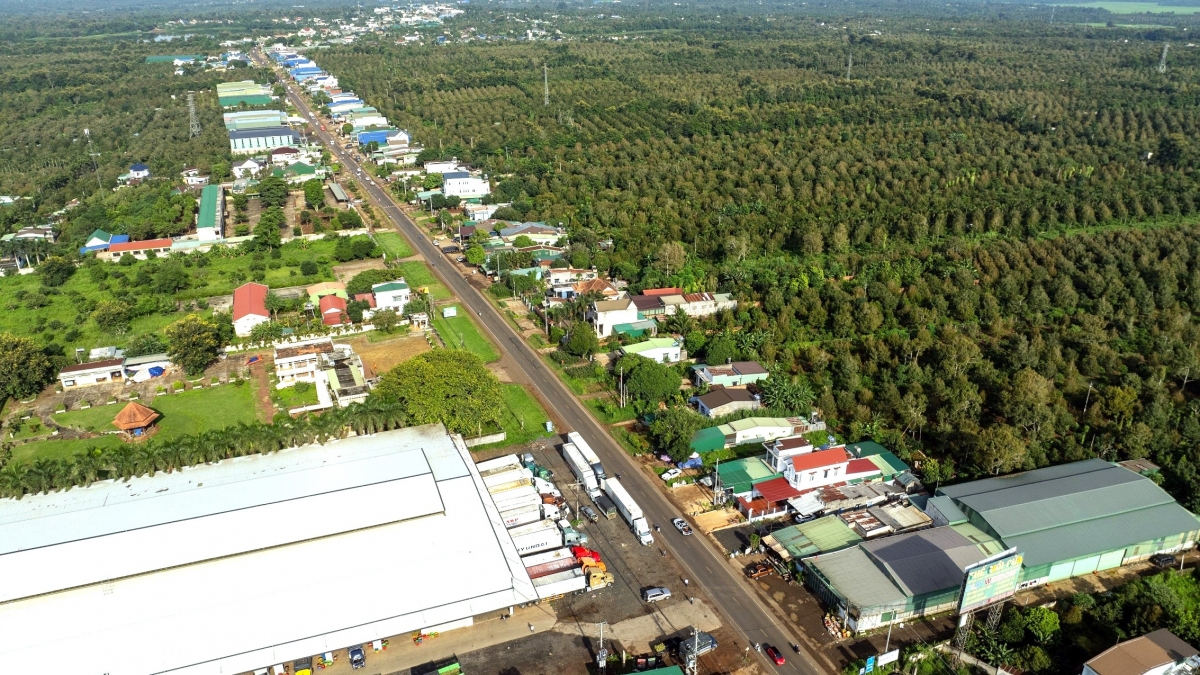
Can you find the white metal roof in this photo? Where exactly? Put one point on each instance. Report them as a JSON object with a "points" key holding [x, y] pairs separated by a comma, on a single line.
{"points": [[367, 552]]}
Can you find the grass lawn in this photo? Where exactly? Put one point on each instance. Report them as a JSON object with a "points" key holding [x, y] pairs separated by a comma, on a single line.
{"points": [[393, 244], [607, 410], [418, 274], [460, 332], [55, 449], [1121, 7], [289, 397], [97, 418], [522, 419], [200, 410]]}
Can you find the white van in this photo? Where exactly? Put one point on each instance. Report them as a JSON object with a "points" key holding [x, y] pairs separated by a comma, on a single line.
{"points": [[656, 594]]}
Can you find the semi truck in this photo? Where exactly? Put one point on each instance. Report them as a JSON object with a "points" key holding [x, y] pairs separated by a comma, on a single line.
{"points": [[589, 455], [606, 506], [521, 516], [512, 499], [630, 511], [581, 469], [510, 476], [561, 583], [571, 536], [535, 537], [491, 465], [559, 560]]}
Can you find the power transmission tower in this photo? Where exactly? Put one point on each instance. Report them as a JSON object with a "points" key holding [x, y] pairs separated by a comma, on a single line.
{"points": [[95, 167], [195, 119], [959, 642], [994, 615], [1162, 60], [546, 85], [849, 62]]}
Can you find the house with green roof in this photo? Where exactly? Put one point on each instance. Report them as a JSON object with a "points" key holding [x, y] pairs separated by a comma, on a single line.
{"points": [[823, 535], [393, 295], [210, 219], [738, 477], [659, 350]]}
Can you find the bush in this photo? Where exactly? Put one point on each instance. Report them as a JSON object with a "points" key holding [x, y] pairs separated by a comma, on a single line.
{"points": [[309, 268], [302, 387]]}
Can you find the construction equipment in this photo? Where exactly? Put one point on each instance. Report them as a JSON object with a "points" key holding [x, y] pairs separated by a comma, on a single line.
{"points": [[758, 570]]}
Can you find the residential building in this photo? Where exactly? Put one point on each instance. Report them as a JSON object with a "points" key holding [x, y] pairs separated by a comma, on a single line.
{"points": [[139, 249], [139, 171], [344, 372], [248, 167], [393, 295], [781, 450], [441, 167], [757, 430], [249, 308], [649, 306], [720, 402], [737, 478], [300, 362], [333, 310], [211, 218], [736, 374], [607, 313], [821, 535], [31, 233], [698, 304], [461, 184], [193, 178], [99, 241], [251, 141], [540, 233], [1156, 653], [203, 550], [479, 212], [575, 289], [107, 371], [318, 291], [659, 350], [569, 275], [283, 156], [817, 469]]}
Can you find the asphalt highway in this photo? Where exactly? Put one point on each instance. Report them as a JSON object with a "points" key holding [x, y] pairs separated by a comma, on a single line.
{"points": [[740, 605]]}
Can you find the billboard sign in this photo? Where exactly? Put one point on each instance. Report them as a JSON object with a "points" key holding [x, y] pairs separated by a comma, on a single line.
{"points": [[870, 663], [990, 581], [889, 657]]}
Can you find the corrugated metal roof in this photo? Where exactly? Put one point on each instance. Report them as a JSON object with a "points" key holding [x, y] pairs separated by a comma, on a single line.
{"points": [[888, 463], [927, 561], [823, 535], [1104, 534], [949, 509], [866, 448], [1049, 473], [987, 543], [1072, 500], [856, 577], [742, 474]]}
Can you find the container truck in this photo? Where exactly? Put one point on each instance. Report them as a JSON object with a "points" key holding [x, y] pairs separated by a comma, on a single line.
{"points": [[571, 536], [492, 464], [521, 516], [554, 585], [606, 506], [546, 556], [536, 537], [513, 499], [501, 487], [502, 477], [588, 454], [552, 567], [581, 469], [630, 511], [551, 511]]}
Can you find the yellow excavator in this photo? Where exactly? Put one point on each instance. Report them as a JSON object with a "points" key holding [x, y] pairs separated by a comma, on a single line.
{"points": [[597, 573]]}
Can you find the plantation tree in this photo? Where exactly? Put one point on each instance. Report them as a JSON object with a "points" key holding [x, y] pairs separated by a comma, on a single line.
{"points": [[314, 193], [266, 233], [24, 367], [781, 391], [194, 343], [582, 341], [146, 343], [647, 381], [445, 385], [112, 316], [56, 270], [273, 191]]}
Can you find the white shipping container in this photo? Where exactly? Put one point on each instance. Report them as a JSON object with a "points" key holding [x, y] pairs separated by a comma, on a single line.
{"points": [[501, 487], [580, 468], [517, 500], [546, 556], [560, 584], [538, 541], [522, 516], [588, 454], [509, 476], [533, 528], [492, 464], [551, 511]]}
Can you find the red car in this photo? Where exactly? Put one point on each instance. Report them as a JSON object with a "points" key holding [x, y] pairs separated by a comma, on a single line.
{"points": [[774, 655]]}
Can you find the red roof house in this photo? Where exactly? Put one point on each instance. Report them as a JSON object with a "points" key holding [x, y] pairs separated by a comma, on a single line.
{"points": [[368, 298], [662, 291], [816, 469], [249, 307], [333, 311], [138, 249]]}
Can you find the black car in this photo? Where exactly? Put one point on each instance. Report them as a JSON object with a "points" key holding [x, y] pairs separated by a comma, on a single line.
{"points": [[450, 249], [1162, 560], [589, 513]]}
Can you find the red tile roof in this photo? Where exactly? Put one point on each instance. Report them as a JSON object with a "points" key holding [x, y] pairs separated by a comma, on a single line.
{"points": [[94, 365], [662, 291], [140, 245], [820, 459], [250, 300], [776, 490], [368, 298], [862, 466], [333, 309]]}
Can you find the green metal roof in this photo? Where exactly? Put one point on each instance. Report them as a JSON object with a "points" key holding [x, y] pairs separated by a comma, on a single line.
{"points": [[866, 448], [231, 101], [391, 286], [948, 508], [986, 542], [646, 345], [747, 423], [823, 535], [1105, 534], [208, 206], [707, 440], [742, 474], [856, 577], [888, 463]]}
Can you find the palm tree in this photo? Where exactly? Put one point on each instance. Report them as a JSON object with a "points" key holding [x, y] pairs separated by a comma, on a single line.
{"points": [[680, 323], [13, 480]]}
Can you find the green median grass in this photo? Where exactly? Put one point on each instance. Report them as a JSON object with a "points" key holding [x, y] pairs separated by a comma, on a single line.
{"points": [[460, 332]]}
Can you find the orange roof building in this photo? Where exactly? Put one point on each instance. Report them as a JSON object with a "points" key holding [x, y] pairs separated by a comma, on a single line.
{"points": [[135, 417]]}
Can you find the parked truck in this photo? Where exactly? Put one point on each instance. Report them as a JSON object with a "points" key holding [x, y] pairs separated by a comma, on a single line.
{"points": [[535, 537], [630, 511], [522, 515], [589, 455], [499, 463], [554, 585], [606, 506], [581, 469], [510, 476], [513, 499], [571, 536], [561, 563]]}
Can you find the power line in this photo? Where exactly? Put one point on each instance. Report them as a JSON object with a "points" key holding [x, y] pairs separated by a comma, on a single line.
{"points": [[546, 85], [1162, 60], [195, 119]]}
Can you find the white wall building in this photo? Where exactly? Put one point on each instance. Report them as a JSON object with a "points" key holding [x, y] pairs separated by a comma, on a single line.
{"points": [[300, 362], [462, 184], [392, 295], [208, 570], [88, 374], [608, 313]]}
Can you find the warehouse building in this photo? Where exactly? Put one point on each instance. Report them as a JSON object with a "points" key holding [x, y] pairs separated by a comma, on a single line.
{"points": [[252, 141], [211, 218], [1072, 519], [253, 562]]}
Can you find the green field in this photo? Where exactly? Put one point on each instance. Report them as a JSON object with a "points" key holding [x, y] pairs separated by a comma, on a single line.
{"points": [[418, 274], [393, 245], [54, 449], [289, 397], [460, 332], [523, 420], [1119, 7]]}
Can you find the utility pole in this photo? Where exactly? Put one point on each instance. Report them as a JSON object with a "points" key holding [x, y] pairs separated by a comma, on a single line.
{"points": [[1162, 60], [602, 653], [194, 119], [545, 84], [1087, 398]]}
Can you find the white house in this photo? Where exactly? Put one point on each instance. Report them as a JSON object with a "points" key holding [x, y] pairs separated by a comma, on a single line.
{"points": [[246, 168], [817, 469], [300, 362], [441, 167], [89, 374], [249, 308], [193, 178], [608, 313], [393, 295], [569, 275], [462, 184], [698, 304], [139, 171], [659, 350]]}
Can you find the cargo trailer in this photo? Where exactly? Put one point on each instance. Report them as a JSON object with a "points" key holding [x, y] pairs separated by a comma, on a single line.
{"points": [[588, 454], [570, 581], [521, 516], [630, 511], [581, 469]]}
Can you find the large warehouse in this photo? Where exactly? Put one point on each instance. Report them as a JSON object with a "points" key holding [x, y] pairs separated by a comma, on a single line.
{"points": [[1064, 521], [254, 561]]}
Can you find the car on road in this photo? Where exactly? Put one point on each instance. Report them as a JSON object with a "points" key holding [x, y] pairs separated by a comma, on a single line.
{"points": [[1162, 560], [774, 655], [358, 659], [460, 258], [589, 513], [450, 249], [672, 474], [681, 525], [656, 594]]}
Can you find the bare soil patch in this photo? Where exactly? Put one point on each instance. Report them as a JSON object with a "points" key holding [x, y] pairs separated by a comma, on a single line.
{"points": [[380, 357], [346, 271]]}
